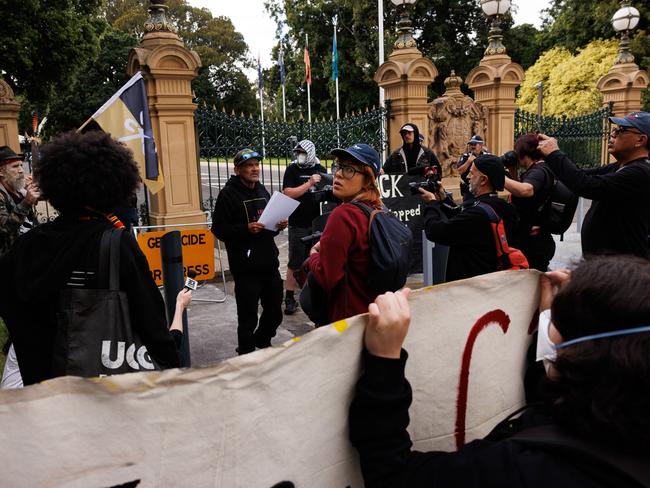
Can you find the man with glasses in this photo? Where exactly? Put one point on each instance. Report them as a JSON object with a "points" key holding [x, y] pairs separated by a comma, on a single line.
{"points": [[252, 253], [618, 220]]}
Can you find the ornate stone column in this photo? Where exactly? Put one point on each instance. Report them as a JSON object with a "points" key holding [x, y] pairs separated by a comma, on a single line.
{"points": [[494, 82], [9, 109], [406, 77], [168, 68]]}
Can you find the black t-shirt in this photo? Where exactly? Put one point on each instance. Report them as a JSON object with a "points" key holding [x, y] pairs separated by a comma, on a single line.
{"points": [[528, 208], [308, 209]]}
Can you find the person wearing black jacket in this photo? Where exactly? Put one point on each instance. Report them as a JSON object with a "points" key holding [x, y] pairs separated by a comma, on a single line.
{"points": [[467, 229], [411, 154], [252, 253], [85, 177], [474, 150], [529, 195], [618, 220], [591, 430]]}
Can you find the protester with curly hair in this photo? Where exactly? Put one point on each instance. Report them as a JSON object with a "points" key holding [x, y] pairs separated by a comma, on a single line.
{"points": [[593, 428], [85, 177]]}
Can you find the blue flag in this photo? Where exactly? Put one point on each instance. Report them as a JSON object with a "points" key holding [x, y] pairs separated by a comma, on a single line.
{"points": [[281, 63], [335, 60], [260, 80]]}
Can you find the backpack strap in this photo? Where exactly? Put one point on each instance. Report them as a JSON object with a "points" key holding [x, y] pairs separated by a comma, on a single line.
{"points": [[103, 260], [500, 241], [114, 266], [369, 211], [553, 438], [551, 175]]}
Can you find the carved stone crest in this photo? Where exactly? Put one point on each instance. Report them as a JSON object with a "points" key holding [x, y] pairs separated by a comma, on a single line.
{"points": [[453, 119], [6, 93]]}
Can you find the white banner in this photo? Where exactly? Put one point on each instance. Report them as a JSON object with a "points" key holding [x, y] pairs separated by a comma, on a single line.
{"points": [[279, 414]]}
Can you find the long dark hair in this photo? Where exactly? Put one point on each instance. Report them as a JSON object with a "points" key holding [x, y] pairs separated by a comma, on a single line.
{"points": [[602, 386]]}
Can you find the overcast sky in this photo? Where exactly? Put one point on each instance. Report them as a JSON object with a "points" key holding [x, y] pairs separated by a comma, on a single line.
{"points": [[258, 29]]}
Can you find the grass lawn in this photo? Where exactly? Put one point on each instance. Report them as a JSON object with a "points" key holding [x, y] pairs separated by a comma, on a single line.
{"points": [[282, 162]]}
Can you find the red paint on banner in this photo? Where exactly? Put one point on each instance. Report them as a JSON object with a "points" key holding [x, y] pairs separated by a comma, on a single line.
{"points": [[498, 317]]}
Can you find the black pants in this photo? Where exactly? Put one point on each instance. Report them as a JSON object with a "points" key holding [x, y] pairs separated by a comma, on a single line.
{"points": [[250, 290]]}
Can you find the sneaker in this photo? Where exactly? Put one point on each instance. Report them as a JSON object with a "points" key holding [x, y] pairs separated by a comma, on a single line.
{"points": [[290, 306]]}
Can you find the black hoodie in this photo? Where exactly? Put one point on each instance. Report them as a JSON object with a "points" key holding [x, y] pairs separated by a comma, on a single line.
{"points": [[41, 263], [237, 206], [412, 155]]}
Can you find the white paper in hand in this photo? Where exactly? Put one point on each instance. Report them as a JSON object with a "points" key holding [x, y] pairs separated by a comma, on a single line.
{"points": [[279, 208]]}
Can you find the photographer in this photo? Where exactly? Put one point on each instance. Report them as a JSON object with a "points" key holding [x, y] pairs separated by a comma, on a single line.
{"points": [[467, 229], [474, 150], [300, 179], [529, 195]]}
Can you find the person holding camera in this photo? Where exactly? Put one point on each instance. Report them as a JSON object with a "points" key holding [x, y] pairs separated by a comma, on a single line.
{"points": [[529, 197], [412, 153], [618, 220], [340, 260], [591, 429], [475, 148], [18, 195], [300, 180], [467, 229]]}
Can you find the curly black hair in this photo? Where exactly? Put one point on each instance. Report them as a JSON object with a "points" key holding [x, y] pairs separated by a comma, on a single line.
{"points": [[602, 388], [93, 170]]}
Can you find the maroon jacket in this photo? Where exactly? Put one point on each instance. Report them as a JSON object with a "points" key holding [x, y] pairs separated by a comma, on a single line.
{"points": [[344, 243]]}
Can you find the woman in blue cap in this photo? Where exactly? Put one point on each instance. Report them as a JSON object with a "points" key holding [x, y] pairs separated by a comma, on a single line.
{"points": [[340, 260]]}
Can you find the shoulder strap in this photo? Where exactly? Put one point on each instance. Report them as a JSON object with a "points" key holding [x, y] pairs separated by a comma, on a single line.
{"points": [[550, 174], [104, 256], [114, 266], [636, 467], [369, 211], [489, 211]]}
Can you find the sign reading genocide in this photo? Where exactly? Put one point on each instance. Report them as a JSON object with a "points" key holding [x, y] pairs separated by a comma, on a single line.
{"points": [[198, 253], [396, 195]]}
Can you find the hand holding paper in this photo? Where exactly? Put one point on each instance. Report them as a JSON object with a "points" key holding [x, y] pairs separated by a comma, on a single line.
{"points": [[279, 208]]}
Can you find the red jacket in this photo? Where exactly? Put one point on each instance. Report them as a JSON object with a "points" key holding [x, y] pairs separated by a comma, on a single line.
{"points": [[344, 243]]}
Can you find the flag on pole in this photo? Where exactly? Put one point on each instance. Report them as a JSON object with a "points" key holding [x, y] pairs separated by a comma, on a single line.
{"points": [[307, 65], [260, 79], [125, 116], [281, 63], [335, 59]]}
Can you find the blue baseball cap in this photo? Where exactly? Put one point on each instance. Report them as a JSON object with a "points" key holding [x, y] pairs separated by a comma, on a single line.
{"points": [[638, 120], [362, 153]]}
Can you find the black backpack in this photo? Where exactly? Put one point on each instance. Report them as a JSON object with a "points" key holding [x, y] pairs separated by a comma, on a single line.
{"points": [[558, 209], [390, 249]]}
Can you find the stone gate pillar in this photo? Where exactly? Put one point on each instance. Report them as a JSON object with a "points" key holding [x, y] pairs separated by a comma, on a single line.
{"points": [[9, 109], [406, 77], [168, 68], [622, 86], [494, 82]]}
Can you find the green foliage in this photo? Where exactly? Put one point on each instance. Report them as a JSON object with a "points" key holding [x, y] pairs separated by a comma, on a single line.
{"points": [[43, 45], [569, 81], [540, 71]]}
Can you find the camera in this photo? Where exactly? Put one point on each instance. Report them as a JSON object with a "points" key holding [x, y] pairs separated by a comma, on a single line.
{"points": [[430, 182]]}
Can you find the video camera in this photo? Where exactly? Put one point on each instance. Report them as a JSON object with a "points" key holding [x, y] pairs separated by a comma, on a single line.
{"points": [[322, 191], [430, 182]]}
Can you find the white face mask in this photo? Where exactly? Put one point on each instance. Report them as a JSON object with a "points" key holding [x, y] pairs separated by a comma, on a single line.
{"points": [[302, 159], [545, 347]]}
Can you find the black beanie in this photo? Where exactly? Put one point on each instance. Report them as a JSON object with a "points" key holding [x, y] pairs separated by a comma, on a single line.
{"points": [[492, 167]]}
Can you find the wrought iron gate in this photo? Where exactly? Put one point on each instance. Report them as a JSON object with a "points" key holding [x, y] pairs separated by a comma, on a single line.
{"points": [[583, 139], [221, 135]]}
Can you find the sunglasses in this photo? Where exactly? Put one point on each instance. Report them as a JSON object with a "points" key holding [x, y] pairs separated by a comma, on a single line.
{"points": [[347, 171], [620, 130]]}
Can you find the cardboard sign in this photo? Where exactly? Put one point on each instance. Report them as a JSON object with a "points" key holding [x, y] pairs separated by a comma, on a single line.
{"points": [[198, 253], [278, 414]]}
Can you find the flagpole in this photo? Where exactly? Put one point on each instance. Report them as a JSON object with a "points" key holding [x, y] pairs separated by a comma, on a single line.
{"points": [[380, 18], [282, 82], [308, 86], [336, 81], [261, 90], [284, 105]]}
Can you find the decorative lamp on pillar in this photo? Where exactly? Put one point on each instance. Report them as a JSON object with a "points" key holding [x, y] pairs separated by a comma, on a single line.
{"points": [[404, 26], [624, 20], [495, 9]]}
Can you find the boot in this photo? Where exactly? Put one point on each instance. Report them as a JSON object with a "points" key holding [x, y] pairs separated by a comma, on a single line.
{"points": [[290, 305]]}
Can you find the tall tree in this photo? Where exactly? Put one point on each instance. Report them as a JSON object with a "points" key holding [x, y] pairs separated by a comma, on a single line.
{"points": [[453, 33], [43, 45]]}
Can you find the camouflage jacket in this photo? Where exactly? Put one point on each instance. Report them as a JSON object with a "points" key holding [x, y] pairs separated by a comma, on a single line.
{"points": [[12, 217]]}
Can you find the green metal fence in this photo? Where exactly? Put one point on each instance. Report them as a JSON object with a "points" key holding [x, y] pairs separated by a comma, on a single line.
{"points": [[583, 139], [221, 135]]}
